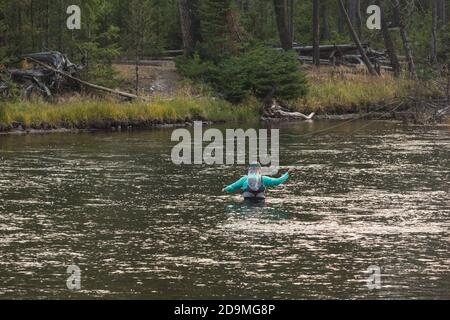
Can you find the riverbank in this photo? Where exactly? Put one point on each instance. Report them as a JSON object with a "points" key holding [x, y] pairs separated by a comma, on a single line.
{"points": [[333, 93], [342, 90], [86, 113]]}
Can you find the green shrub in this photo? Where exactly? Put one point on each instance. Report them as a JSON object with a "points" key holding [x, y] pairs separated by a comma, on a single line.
{"points": [[194, 68], [275, 73], [230, 79], [260, 72]]}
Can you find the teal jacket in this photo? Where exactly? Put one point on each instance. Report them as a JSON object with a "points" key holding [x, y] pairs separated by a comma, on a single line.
{"points": [[266, 182]]}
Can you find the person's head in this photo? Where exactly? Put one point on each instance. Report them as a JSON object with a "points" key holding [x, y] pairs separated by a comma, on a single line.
{"points": [[255, 168], [254, 177]]}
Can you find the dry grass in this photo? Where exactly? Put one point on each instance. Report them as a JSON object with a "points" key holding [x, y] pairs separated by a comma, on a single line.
{"points": [[346, 89], [81, 112], [331, 90]]}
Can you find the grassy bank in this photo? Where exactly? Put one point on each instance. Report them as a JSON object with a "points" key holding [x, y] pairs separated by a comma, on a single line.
{"points": [[91, 113], [331, 91], [344, 90]]}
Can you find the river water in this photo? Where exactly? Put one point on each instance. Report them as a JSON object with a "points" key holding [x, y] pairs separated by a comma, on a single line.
{"points": [[365, 194]]}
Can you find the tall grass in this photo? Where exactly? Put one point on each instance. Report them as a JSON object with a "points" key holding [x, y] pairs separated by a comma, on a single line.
{"points": [[330, 90], [83, 112], [339, 88]]}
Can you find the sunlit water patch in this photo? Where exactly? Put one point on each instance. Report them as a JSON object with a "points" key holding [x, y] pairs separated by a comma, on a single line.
{"points": [[363, 194]]}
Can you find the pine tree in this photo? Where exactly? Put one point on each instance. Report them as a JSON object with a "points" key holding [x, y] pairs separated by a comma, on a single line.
{"points": [[216, 38]]}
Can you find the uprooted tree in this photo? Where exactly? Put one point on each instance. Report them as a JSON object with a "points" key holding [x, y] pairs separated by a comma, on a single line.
{"points": [[40, 80]]}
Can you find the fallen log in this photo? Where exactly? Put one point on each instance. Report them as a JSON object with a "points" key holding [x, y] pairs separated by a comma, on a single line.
{"points": [[443, 111], [154, 63], [275, 111], [330, 48], [309, 60], [88, 84], [286, 114]]}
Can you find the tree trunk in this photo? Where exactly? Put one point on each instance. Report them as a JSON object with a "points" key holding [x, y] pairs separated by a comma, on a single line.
{"points": [[316, 33], [395, 19], [355, 37], [237, 31], [291, 19], [405, 40], [137, 73], [283, 24], [352, 12], [359, 17], [47, 26], [33, 42], [442, 13], [19, 27], [325, 22], [434, 13], [187, 29], [341, 21], [61, 27], [388, 43]]}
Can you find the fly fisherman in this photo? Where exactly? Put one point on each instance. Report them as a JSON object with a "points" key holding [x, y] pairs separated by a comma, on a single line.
{"points": [[254, 184]]}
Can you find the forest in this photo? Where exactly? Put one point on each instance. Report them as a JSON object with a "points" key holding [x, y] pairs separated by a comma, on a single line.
{"points": [[242, 51]]}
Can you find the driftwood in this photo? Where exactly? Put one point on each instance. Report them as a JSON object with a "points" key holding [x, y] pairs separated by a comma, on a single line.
{"points": [[442, 112], [42, 80], [276, 111], [87, 84], [344, 54]]}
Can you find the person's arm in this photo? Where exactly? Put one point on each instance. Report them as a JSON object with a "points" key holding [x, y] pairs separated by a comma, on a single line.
{"points": [[271, 182], [238, 184]]}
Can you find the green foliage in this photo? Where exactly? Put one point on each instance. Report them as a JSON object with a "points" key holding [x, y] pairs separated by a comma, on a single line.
{"points": [[12, 93], [260, 72], [101, 56], [256, 18], [112, 28], [230, 78], [214, 28], [276, 73], [194, 68]]}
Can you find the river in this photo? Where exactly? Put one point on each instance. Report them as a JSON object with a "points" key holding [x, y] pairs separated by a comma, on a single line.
{"points": [[364, 194]]}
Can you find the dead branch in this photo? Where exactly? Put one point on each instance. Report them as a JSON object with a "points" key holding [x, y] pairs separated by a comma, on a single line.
{"points": [[87, 84], [275, 111]]}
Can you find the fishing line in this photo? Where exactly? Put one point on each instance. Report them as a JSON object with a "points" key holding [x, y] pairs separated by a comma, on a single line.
{"points": [[341, 124], [373, 120], [274, 170]]}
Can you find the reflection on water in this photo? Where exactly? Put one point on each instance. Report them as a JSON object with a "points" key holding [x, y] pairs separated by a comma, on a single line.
{"points": [[139, 226]]}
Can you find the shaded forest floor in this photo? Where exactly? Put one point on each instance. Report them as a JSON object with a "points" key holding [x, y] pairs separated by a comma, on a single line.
{"points": [[155, 78]]}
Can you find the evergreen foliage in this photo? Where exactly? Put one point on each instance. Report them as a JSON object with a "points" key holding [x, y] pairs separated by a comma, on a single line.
{"points": [[260, 72]]}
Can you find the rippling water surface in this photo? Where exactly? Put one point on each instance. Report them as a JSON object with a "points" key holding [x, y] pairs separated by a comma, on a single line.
{"points": [[140, 227]]}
